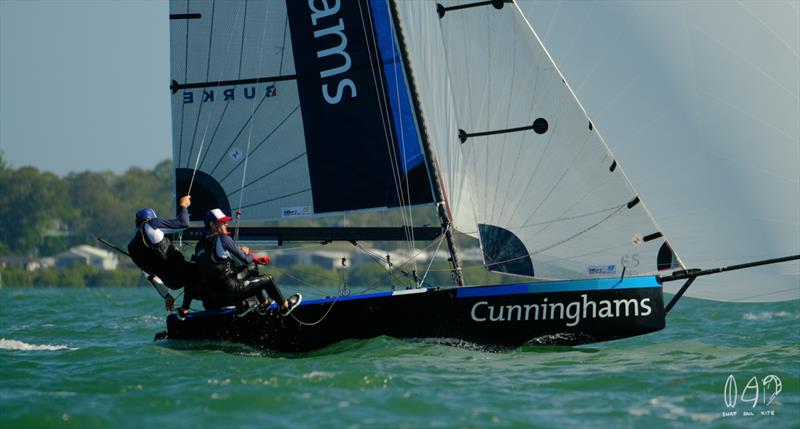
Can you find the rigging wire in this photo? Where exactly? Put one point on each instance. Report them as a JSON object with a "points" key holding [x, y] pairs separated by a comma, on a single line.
{"points": [[459, 149], [219, 79], [185, 79], [402, 134], [294, 316], [200, 108], [383, 106], [250, 131], [433, 257]]}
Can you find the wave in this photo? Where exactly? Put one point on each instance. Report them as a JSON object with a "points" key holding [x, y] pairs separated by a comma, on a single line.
{"points": [[669, 409], [767, 315], [19, 345], [318, 375]]}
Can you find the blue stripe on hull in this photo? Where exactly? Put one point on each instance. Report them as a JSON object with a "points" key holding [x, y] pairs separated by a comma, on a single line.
{"points": [[564, 286], [524, 288], [481, 291]]}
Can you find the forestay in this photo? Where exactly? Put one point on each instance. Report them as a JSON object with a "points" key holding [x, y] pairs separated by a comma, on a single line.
{"points": [[548, 197], [292, 109]]}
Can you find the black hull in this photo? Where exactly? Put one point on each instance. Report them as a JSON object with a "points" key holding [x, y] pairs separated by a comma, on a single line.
{"points": [[567, 313]]}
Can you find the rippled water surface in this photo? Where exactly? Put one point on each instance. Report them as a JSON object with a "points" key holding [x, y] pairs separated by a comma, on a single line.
{"points": [[86, 358]]}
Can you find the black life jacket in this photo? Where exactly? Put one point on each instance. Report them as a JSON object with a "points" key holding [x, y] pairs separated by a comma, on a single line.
{"points": [[161, 259], [208, 264]]}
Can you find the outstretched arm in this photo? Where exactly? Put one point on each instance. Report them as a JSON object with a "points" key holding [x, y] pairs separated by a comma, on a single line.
{"points": [[226, 244], [175, 224]]}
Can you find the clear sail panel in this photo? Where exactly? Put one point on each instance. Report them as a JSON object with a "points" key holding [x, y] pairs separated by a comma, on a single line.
{"points": [[705, 120], [548, 196], [426, 56]]}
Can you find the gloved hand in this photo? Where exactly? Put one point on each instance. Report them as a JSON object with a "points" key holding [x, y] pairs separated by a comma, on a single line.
{"points": [[169, 303], [263, 260]]}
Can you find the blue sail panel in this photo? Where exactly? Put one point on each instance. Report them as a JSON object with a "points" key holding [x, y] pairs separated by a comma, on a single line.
{"points": [[358, 119], [409, 145]]}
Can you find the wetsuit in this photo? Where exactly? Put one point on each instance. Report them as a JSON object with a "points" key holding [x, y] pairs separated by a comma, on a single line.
{"points": [[229, 275]]}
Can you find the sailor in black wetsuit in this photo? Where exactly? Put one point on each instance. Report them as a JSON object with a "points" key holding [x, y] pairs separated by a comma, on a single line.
{"points": [[153, 252], [229, 270]]}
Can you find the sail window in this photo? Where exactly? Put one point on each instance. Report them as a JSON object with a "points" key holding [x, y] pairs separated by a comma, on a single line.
{"points": [[503, 251], [666, 258]]}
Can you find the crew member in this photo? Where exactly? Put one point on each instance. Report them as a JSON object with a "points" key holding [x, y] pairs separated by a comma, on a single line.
{"points": [[153, 252], [229, 271]]}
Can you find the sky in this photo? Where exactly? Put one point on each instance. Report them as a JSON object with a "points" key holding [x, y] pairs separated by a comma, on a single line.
{"points": [[84, 84]]}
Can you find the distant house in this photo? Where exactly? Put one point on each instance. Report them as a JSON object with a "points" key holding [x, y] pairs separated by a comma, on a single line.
{"points": [[330, 260], [27, 263], [87, 255]]}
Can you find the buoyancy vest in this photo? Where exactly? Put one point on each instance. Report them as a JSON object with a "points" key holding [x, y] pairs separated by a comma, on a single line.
{"points": [[209, 265], [156, 258]]}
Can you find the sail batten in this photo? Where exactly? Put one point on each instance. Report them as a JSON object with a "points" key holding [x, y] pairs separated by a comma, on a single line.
{"points": [[175, 86]]}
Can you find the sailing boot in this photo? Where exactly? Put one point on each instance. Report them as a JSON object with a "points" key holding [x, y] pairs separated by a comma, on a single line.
{"points": [[294, 301]]}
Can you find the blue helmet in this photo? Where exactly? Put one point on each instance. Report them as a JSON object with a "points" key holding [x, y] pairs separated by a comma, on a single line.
{"points": [[144, 215]]}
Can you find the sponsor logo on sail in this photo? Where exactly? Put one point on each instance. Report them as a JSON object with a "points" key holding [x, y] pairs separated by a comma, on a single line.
{"points": [[228, 94], [594, 270], [296, 211], [329, 29]]}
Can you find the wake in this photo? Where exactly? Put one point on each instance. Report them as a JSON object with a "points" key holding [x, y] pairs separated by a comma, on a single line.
{"points": [[19, 345]]}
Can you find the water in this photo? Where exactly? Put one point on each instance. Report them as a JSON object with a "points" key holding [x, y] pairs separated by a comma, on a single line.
{"points": [[86, 359]]}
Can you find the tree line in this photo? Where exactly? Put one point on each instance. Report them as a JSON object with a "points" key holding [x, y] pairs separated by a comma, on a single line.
{"points": [[45, 214]]}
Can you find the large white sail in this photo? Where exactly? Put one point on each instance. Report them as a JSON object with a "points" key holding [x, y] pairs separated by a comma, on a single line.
{"points": [[549, 199], [699, 101], [281, 132]]}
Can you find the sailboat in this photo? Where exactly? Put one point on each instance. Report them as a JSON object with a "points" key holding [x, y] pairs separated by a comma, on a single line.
{"points": [[295, 111]]}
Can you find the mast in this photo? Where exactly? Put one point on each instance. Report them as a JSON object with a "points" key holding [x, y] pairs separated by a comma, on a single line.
{"points": [[442, 208]]}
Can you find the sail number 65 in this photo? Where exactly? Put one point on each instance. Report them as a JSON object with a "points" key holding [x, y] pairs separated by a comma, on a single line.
{"points": [[630, 261]]}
